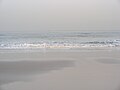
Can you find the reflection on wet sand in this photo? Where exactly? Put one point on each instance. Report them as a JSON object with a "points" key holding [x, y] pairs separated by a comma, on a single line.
{"points": [[22, 70], [109, 61]]}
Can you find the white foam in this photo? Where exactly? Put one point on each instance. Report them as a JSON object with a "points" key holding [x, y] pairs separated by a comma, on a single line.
{"points": [[53, 46]]}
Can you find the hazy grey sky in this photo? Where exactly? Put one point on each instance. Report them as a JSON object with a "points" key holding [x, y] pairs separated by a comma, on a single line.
{"points": [[37, 15]]}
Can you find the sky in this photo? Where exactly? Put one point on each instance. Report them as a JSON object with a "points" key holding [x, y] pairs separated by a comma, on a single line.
{"points": [[59, 15]]}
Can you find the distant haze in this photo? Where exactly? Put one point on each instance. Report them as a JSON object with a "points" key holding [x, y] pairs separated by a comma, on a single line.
{"points": [[40, 15]]}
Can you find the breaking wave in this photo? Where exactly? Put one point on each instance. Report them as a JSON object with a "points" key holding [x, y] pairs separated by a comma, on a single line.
{"points": [[59, 45]]}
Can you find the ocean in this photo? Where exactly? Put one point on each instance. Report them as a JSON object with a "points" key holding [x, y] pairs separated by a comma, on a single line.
{"points": [[60, 40]]}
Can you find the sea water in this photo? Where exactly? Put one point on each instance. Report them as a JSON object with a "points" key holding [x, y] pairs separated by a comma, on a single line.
{"points": [[59, 40]]}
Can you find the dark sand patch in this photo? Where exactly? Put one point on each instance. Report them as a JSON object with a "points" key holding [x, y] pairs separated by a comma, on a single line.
{"points": [[21, 70]]}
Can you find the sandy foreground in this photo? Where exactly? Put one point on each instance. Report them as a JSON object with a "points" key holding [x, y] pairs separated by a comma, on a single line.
{"points": [[60, 70]]}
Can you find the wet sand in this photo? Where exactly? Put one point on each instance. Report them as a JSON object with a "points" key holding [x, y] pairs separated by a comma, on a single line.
{"points": [[60, 70]]}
